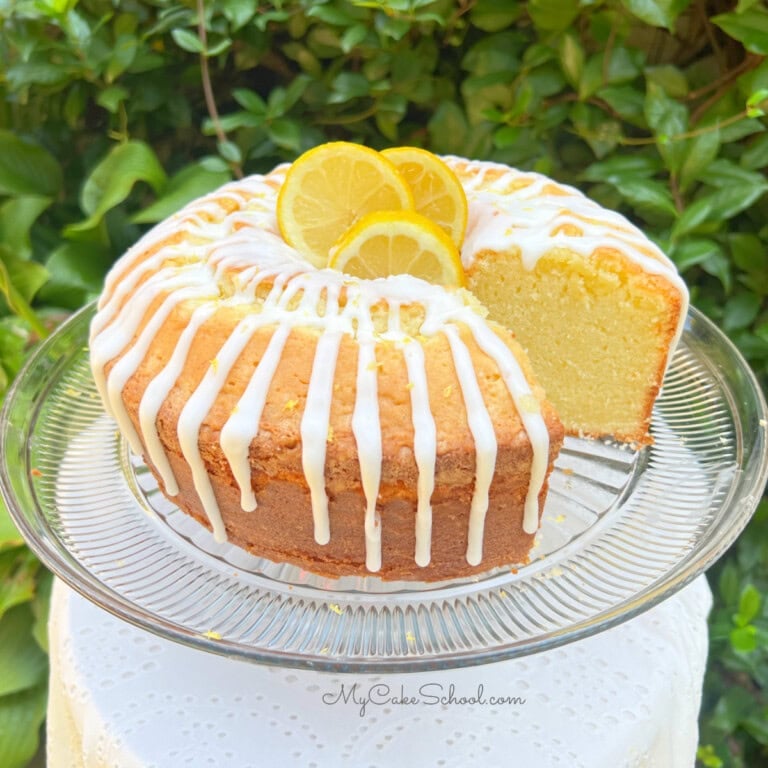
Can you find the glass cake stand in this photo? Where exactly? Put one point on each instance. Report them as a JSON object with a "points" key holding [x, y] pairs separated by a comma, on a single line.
{"points": [[621, 530]]}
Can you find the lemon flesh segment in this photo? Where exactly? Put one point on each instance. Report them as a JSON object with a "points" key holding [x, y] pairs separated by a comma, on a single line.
{"points": [[437, 191], [387, 243], [330, 187]]}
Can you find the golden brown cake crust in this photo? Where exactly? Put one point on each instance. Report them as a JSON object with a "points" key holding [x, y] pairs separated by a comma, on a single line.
{"points": [[281, 529]]}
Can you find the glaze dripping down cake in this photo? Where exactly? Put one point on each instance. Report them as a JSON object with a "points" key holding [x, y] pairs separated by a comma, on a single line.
{"points": [[385, 426]]}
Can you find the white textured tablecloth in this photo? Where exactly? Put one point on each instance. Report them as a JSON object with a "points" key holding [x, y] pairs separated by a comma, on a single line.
{"points": [[629, 696]]}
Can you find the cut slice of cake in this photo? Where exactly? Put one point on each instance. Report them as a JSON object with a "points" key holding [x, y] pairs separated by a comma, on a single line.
{"points": [[595, 304]]}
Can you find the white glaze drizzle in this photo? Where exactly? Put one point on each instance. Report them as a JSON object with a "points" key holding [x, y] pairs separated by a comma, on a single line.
{"points": [[528, 409], [157, 391], [424, 433], [245, 244], [242, 426], [481, 427], [126, 366], [424, 448], [314, 429], [366, 428]]}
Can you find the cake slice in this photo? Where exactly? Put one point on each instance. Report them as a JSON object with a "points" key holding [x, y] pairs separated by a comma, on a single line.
{"points": [[595, 304]]}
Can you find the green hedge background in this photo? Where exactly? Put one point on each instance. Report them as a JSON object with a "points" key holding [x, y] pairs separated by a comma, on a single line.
{"points": [[112, 115]]}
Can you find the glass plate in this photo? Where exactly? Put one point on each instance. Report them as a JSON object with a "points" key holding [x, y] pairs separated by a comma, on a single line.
{"points": [[621, 530]]}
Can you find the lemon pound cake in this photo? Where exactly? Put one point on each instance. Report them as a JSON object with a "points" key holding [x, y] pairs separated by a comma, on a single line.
{"points": [[596, 305], [299, 395], [344, 425]]}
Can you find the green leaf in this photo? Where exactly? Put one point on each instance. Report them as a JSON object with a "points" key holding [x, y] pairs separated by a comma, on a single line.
{"points": [[347, 86], [571, 58], [292, 94], [627, 100], [744, 639], [18, 569], [728, 583], [23, 664], [331, 14], [250, 100], [36, 72], [188, 184], [718, 265], [698, 154], [448, 128], [26, 168], [230, 152], [750, 601], [647, 195], [750, 28], [709, 212], [691, 251], [617, 168], [77, 266], [123, 54], [112, 180], [553, 15], [757, 103], [188, 41], [238, 12], [732, 708], [391, 27], [755, 155], [707, 756], [657, 13], [353, 37], [600, 133], [10, 538], [17, 216], [669, 120], [623, 64], [749, 254], [15, 339], [21, 715], [740, 312], [111, 98], [216, 49], [725, 173], [670, 78], [20, 280], [494, 15], [40, 605], [286, 133]]}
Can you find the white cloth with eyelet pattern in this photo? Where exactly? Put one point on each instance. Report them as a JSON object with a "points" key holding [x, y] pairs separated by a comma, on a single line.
{"points": [[628, 697]]}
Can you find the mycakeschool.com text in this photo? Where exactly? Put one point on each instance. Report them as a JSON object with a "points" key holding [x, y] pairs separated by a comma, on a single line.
{"points": [[367, 696]]}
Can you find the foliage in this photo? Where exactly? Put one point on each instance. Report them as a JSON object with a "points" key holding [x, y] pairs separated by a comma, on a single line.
{"points": [[113, 115]]}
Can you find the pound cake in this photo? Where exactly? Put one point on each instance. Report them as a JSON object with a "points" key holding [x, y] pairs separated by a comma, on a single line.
{"points": [[389, 426]]}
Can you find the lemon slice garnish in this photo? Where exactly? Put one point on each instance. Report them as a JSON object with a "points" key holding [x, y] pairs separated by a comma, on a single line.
{"points": [[329, 188], [437, 191], [387, 243]]}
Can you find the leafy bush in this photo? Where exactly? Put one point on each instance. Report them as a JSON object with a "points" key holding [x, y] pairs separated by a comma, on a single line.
{"points": [[113, 115]]}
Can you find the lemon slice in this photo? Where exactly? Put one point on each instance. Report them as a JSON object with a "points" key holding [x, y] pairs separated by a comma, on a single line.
{"points": [[437, 192], [330, 187], [398, 242]]}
